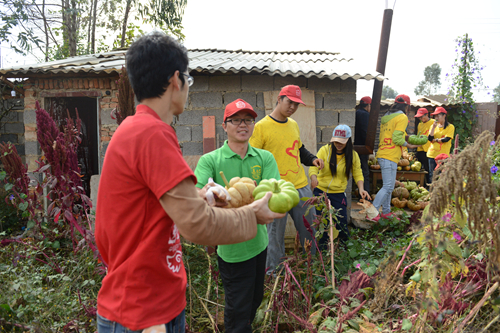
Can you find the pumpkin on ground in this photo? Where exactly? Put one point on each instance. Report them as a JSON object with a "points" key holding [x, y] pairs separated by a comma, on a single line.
{"points": [[401, 192], [399, 203], [413, 205]]}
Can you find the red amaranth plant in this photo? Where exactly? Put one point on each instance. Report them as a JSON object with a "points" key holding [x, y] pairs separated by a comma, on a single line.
{"points": [[14, 167], [69, 203], [17, 183]]}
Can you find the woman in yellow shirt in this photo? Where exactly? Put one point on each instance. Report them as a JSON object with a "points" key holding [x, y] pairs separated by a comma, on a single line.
{"points": [[392, 140], [440, 136], [424, 127], [333, 178]]}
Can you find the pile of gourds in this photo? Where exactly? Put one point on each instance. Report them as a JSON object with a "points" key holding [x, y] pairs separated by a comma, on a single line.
{"points": [[408, 194], [373, 163]]}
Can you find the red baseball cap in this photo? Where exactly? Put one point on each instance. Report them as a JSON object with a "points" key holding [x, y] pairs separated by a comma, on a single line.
{"points": [[237, 106], [366, 100], [439, 159], [439, 110], [402, 99], [293, 93], [421, 112]]}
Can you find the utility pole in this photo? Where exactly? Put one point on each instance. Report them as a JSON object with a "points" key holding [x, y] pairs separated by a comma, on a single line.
{"points": [[378, 85]]}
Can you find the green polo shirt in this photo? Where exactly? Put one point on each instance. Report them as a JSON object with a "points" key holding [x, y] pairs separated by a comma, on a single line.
{"points": [[258, 164]]}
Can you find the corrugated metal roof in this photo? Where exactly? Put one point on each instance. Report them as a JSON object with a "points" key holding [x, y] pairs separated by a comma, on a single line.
{"points": [[420, 103], [295, 63]]}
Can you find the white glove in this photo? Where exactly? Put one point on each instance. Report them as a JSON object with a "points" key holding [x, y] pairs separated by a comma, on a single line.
{"points": [[215, 190]]}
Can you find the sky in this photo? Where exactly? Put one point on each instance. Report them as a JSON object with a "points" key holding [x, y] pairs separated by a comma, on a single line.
{"points": [[423, 32]]}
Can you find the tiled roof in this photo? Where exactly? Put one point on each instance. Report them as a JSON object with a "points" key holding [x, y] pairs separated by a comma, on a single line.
{"points": [[295, 63]]}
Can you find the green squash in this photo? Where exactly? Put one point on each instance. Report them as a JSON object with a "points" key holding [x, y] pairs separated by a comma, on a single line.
{"points": [[284, 197], [417, 139]]}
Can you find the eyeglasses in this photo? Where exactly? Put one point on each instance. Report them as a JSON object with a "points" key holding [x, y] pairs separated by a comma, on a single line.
{"points": [[190, 79], [238, 121]]}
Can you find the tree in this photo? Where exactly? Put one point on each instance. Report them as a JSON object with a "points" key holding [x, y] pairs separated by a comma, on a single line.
{"points": [[75, 27], [431, 82], [465, 76], [496, 94], [388, 92]]}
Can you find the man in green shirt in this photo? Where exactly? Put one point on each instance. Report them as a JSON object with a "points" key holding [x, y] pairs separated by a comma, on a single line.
{"points": [[241, 266]]}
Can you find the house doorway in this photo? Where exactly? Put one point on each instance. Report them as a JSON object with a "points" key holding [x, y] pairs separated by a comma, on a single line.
{"points": [[88, 150]]}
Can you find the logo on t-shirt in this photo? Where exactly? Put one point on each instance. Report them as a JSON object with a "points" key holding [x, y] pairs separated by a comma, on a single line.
{"points": [[174, 260], [257, 172]]}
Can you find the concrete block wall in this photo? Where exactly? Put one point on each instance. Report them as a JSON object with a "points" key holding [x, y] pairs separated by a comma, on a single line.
{"points": [[98, 85], [12, 125], [335, 102]]}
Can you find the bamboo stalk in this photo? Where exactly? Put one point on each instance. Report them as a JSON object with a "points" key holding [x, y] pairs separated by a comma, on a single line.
{"points": [[332, 249], [214, 325], [476, 308], [491, 323], [209, 276], [271, 297]]}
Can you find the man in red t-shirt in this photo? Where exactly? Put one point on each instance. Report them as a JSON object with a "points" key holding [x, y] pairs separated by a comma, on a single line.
{"points": [[147, 196]]}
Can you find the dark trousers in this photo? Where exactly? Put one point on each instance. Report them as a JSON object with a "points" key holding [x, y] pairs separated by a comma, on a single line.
{"points": [[366, 172], [432, 166], [422, 158], [338, 201], [244, 289]]}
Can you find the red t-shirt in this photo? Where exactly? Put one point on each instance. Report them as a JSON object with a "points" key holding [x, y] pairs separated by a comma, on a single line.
{"points": [[146, 280]]}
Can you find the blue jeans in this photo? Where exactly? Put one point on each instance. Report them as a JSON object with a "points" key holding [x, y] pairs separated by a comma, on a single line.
{"points": [[432, 166], [176, 325], [389, 171], [276, 231]]}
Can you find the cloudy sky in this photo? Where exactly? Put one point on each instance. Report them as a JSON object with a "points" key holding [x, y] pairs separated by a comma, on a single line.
{"points": [[423, 33]]}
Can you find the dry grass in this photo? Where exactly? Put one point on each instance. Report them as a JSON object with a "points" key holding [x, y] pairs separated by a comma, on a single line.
{"points": [[464, 184]]}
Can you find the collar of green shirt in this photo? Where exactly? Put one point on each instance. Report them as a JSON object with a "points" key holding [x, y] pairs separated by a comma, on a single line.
{"points": [[228, 153]]}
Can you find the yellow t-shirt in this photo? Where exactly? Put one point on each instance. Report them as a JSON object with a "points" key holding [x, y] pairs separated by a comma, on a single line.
{"points": [[425, 128], [326, 182], [283, 141], [386, 148], [437, 148]]}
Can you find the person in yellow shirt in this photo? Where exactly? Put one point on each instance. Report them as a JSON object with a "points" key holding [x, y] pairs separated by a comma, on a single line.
{"points": [[424, 126], [440, 136], [333, 178], [280, 135], [392, 139]]}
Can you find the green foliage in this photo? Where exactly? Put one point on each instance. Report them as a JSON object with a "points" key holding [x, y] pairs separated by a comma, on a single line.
{"points": [[388, 93], [47, 290], [465, 76], [496, 94], [431, 82], [495, 168], [81, 27]]}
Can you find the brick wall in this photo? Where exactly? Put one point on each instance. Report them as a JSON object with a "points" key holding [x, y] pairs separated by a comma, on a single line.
{"points": [[12, 125], [334, 100], [38, 89]]}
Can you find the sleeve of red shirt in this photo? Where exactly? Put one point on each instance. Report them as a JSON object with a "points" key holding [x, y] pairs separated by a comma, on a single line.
{"points": [[161, 164]]}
